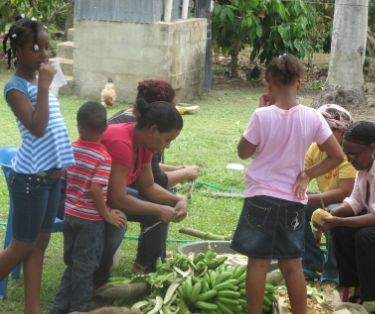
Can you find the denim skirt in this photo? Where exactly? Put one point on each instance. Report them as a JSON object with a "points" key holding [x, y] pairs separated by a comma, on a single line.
{"points": [[270, 228]]}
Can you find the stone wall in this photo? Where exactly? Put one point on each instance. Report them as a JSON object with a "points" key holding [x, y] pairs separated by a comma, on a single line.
{"points": [[131, 52]]}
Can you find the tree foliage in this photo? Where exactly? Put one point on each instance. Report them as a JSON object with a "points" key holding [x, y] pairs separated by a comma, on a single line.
{"points": [[371, 15], [270, 27], [48, 11]]}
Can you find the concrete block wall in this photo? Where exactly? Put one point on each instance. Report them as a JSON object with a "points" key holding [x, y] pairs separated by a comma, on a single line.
{"points": [[131, 52]]}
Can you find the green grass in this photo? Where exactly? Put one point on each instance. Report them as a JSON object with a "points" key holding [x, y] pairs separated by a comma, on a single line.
{"points": [[209, 139]]}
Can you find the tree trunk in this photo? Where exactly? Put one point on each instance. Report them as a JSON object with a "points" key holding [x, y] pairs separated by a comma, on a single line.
{"points": [[234, 52], [345, 79], [69, 22]]}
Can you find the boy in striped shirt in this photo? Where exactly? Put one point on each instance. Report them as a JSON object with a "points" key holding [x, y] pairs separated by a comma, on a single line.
{"points": [[85, 211]]}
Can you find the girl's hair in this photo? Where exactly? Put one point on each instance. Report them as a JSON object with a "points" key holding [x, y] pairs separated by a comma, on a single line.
{"points": [[160, 113], [17, 35], [284, 69], [361, 132], [155, 90]]}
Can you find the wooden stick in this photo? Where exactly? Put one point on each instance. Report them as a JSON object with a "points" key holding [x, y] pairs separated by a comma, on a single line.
{"points": [[190, 191], [203, 235]]}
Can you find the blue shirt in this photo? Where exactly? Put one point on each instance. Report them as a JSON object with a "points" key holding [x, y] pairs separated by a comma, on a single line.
{"points": [[53, 149]]}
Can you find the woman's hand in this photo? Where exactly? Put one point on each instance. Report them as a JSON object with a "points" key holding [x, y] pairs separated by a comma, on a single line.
{"points": [[167, 213], [192, 172], [300, 187], [181, 210], [46, 75], [331, 222]]}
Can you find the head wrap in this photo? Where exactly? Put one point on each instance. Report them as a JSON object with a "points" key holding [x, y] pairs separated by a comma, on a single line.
{"points": [[336, 116]]}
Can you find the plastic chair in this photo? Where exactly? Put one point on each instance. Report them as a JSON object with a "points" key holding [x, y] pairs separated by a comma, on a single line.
{"points": [[6, 155]]}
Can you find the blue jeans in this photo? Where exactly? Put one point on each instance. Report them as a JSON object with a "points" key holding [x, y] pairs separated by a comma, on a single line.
{"points": [[151, 245], [83, 248], [35, 200], [314, 259]]}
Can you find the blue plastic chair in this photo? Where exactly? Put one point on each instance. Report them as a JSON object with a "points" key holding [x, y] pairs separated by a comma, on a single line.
{"points": [[6, 155]]}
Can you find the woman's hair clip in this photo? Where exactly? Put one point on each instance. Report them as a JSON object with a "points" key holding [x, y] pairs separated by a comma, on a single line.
{"points": [[36, 47], [14, 35], [283, 55]]}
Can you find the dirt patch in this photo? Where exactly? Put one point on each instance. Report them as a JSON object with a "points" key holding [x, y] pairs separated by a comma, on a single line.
{"points": [[315, 77]]}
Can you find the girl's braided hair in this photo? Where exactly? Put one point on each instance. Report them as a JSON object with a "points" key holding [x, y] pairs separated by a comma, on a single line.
{"points": [[284, 69], [18, 33]]}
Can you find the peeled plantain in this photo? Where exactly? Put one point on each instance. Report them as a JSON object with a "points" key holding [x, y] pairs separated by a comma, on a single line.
{"points": [[318, 215]]}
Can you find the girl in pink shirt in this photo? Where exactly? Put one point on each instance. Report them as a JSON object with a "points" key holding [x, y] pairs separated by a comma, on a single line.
{"points": [[271, 225]]}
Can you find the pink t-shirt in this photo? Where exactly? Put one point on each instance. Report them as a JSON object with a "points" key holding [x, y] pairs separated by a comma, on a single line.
{"points": [[357, 200], [282, 138]]}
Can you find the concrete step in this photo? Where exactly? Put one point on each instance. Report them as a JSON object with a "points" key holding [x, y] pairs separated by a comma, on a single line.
{"points": [[65, 64], [70, 36], [65, 50], [67, 89]]}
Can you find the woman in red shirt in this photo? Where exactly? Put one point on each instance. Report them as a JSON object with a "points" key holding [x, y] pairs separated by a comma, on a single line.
{"points": [[131, 146]]}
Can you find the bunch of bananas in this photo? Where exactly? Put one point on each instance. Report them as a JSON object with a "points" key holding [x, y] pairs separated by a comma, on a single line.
{"points": [[220, 291], [200, 283]]}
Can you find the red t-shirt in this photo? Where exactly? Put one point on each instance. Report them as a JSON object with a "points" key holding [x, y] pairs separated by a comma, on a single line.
{"points": [[93, 165], [118, 139]]}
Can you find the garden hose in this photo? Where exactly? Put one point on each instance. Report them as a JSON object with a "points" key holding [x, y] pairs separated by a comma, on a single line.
{"points": [[197, 183], [215, 187], [131, 237]]}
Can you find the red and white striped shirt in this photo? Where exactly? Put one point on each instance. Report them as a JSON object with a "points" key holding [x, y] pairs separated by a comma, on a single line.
{"points": [[93, 165]]}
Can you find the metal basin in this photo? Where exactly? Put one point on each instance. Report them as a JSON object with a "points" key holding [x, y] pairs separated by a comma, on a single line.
{"points": [[220, 247]]}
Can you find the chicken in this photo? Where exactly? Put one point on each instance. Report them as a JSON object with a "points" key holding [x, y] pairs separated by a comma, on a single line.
{"points": [[108, 94]]}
